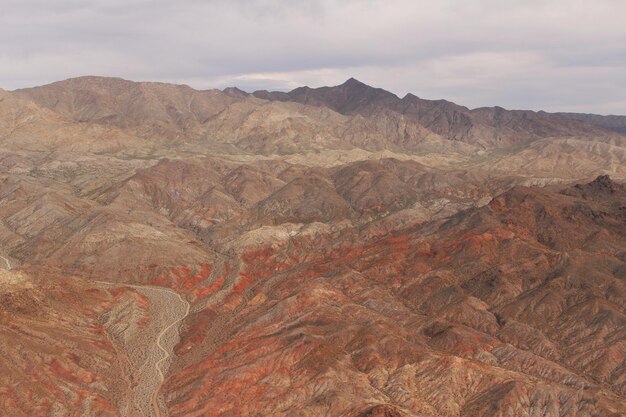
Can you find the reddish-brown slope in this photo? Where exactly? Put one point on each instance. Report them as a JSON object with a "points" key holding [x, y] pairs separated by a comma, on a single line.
{"points": [[512, 309], [58, 358]]}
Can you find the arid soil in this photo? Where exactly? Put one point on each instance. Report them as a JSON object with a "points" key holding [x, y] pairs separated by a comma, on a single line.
{"points": [[339, 251]]}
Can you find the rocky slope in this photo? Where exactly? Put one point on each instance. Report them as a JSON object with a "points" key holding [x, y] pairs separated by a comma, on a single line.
{"points": [[515, 308], [58, 358], [344, 252]]}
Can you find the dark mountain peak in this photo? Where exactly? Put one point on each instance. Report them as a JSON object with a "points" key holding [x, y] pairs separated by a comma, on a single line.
{"points": [[353, 96], [299, 90], [348, 98], [603, 188], [234, 92], [603, 183], [354, 86], [414, 104], [353, 82], [410, 97]]}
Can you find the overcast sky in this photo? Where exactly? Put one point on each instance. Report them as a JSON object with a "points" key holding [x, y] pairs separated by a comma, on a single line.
{"points": [[556, 55]]}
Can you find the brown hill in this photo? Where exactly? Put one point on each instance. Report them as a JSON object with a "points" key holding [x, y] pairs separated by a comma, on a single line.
{"points": [[337, 251], [148, 110]]}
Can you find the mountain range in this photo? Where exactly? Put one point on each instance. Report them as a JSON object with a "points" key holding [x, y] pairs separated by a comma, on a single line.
{"points": [[335, 251]]}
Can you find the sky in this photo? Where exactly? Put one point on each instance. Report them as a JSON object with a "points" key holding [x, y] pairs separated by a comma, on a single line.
{"points": [[553, 55]]}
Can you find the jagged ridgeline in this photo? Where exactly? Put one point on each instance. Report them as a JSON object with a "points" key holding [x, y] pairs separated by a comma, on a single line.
{"points": [[335, 251]]}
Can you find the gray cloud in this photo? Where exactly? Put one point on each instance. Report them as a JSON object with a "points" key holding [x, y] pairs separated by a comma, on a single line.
{"points": [[538, 54]]}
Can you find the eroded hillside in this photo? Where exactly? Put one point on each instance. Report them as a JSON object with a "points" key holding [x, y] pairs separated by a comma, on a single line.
{"points": [[337, 251]]}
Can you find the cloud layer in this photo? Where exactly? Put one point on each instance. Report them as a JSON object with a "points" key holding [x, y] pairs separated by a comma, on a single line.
{"points": [[557, 55]]}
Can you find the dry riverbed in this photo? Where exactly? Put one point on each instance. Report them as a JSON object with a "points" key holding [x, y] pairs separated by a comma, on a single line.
{"points": [[147, 349]]}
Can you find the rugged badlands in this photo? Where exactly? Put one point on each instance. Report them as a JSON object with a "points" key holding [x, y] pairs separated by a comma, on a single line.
{"points": [[337, 251]]}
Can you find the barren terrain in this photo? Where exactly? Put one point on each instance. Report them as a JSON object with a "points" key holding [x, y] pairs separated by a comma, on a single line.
{"points": [[338, 251]]}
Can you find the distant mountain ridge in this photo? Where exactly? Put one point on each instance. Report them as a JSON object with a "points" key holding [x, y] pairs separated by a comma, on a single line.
{"points": [[486, 125], [327, 126], [174, 111], [610, 122]]}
